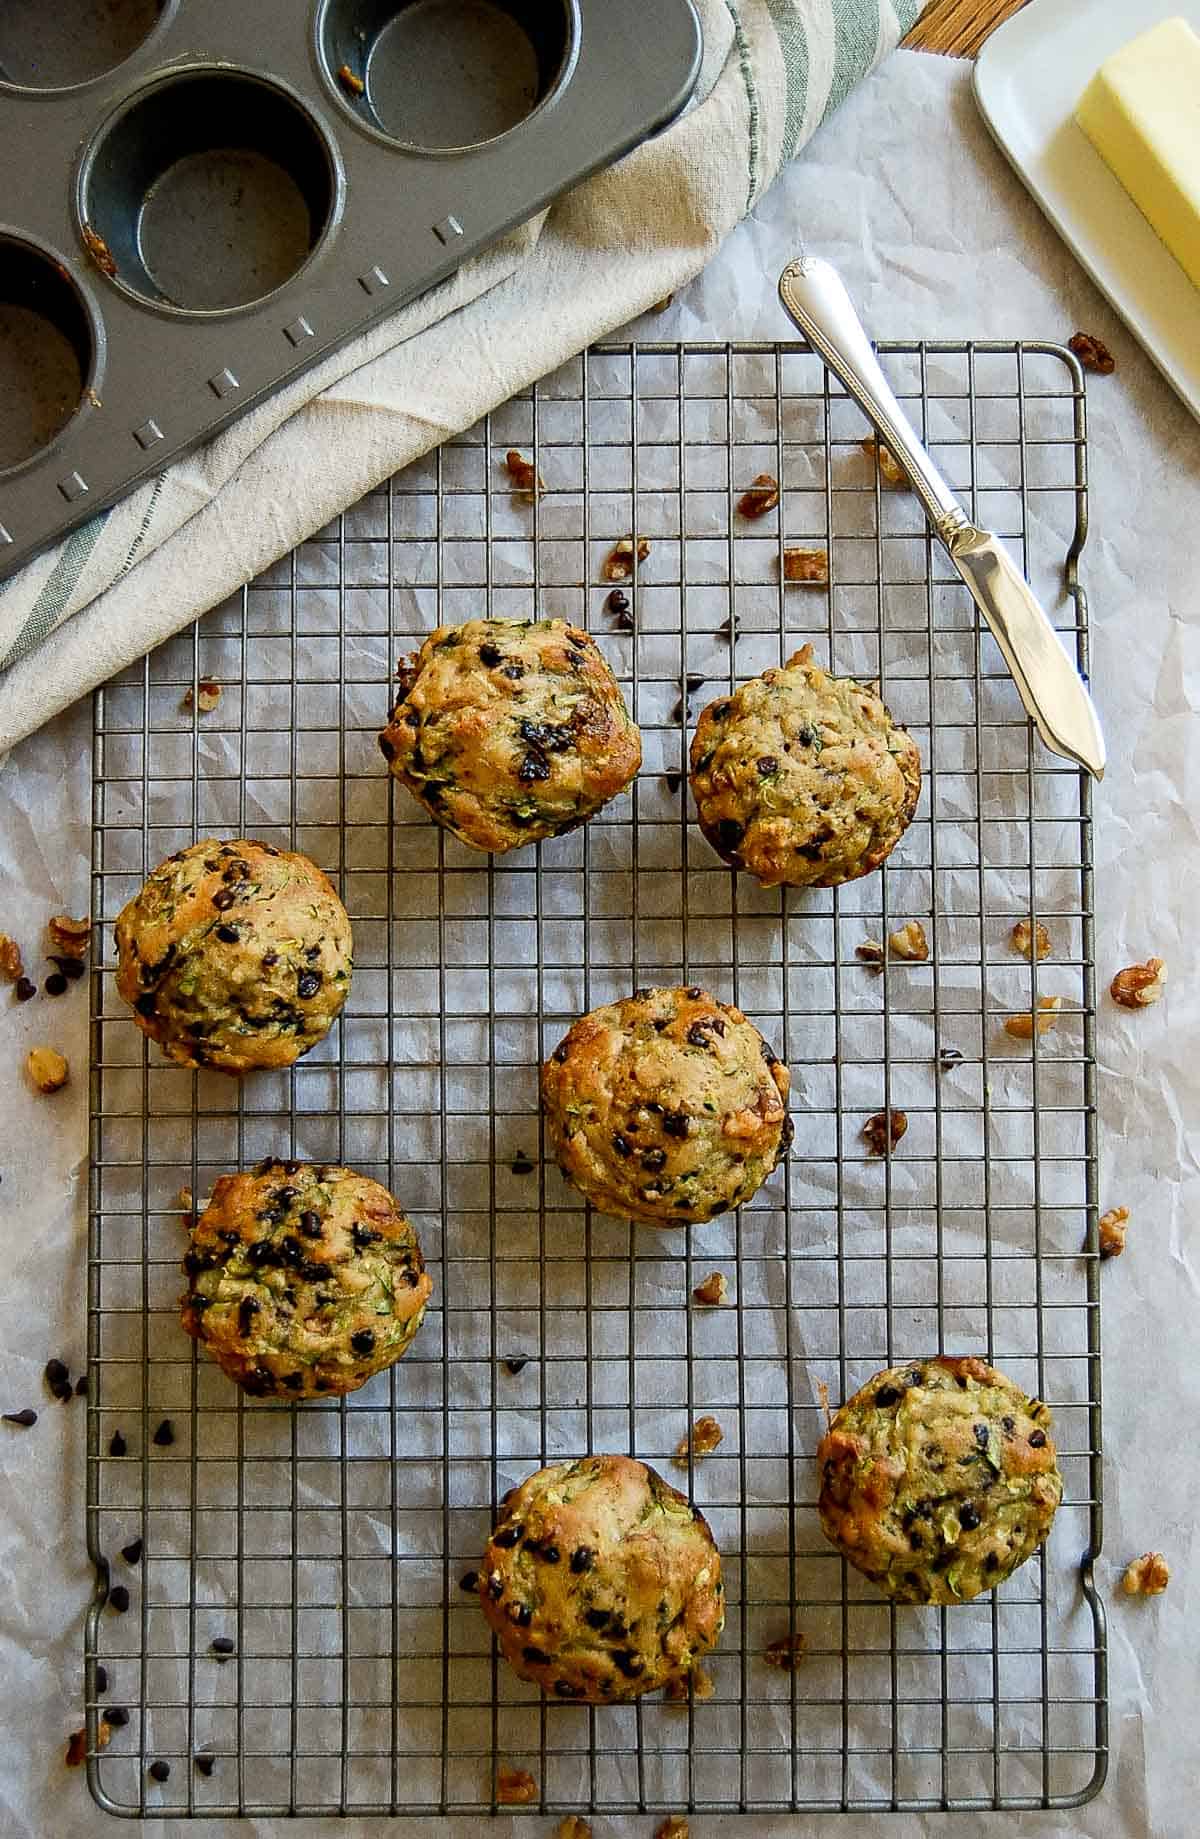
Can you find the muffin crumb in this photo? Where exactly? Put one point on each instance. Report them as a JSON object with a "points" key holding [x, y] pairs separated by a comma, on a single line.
{"points": [[1139, 985], [1028, 937], [697, 1685], [47, 1068], [786, 1653], [515, 1787], [1148, 1575], [713, 1291], [1111, 1229], [704, 1437], [525, 476], [350, 81]]}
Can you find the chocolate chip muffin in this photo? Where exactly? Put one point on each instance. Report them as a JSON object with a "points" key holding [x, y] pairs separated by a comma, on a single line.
{"points": [[667, 1107], [508, 731], [938, 1479], [235, 955], [803, 779], [303, 1282], [601, 1582]]}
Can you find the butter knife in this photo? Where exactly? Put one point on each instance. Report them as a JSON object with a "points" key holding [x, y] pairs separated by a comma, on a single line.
{"points": [[1049, 685]]}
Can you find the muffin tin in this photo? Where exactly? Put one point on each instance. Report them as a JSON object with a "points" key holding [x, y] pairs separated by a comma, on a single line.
{"points": [[202, 201]]}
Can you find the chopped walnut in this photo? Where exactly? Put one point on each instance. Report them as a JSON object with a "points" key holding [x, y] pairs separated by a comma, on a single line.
{"points": [[350, 81], [69, 937], [621, 562], [524, 475], [810, 566], [205, 696], [673, 1827], [762, 497], [702, 1439], [77, 1743], [1139, 984], [871, 953], [11, 966], [1021, 1027], [883, 1131], [47, 1068], [1148, 1575], [1092, 353], [713, 1290], [1027, 937], [888, 467], [1111, 1228], [697, 1684], [910, 942], [515, 1787], [786, 1653]]}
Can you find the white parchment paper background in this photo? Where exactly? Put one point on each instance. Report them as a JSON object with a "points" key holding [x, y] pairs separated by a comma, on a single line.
{"points": [[906, 193]]}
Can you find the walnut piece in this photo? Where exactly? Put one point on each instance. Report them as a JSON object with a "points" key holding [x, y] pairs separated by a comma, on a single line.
{"points": [[11, 966], [1148, 1575], [1111, 1228], [910, 942], [524, 475], [703, 1438], [1027, 937], [350, 81], [47, 1068], [810, 566], [871, 952], [69, 937], [888, 468], [762, 497], [205, 696], [621, 562], [786, 1653], [1139, 984], [884, 1130], [697, 1684], [572, 1828], [713, 1291], [1021, 1027], [673, 1827], [1092, 353], [515, 1787]]}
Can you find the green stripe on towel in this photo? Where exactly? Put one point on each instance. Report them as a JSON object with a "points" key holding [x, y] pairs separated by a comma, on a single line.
{"points": [[47, 609], [793, 43]]}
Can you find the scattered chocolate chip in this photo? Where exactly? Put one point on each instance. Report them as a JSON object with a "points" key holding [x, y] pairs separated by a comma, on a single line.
{"points": [[618, 604], [363, 1342], [534, 1657], [55, 984], [469, 1581], [117, 1445], [81, 1386], [116, 1715], [205, 1764], [26, 1419], [71, 968], [515, 1366], [948, 1057], [132, 1553], [159, 1771], [118, 1598], [24, 989], [165, 1434], [222, 1644], [522, 1164]]}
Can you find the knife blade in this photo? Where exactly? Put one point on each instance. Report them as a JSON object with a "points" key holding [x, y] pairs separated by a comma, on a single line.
{"points": [[1047, 680]]}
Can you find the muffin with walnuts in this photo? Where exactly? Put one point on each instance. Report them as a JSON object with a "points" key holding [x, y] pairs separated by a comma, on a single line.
{"points": [[508, 731], [235, 955], [938, 1479], [601, 1582], [667, 1107], [303, 1281], [803, 779]]}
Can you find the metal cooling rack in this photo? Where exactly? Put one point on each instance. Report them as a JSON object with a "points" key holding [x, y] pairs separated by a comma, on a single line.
{"points": [[327, 1543]]}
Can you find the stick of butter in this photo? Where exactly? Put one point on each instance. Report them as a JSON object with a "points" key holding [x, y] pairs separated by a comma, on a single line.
{"points": [[1141, 112]]}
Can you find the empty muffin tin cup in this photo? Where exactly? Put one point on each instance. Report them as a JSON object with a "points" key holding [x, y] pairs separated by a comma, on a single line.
{"points": [[207, 191], [59, 44], [47, 350], [444, 76]]}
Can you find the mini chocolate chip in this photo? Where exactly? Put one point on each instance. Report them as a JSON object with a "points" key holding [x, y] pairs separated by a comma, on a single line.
{"points": [[597, 1618], [269, 960], [516, 1366], [653, 1160], [26, 1418], [729, 833], [582, 1559], [534, 768], [490, 655], [560, 1054], [621, 1146], [469, 1581], [386, 748], [521, 1614], [551, 1553], [412, 1278], [697, 1034], [118, 1598], [205, 1765], [165, 1434], [228, 935], [223, 899], [24, 989], [247, 1310], [507, 1537], [55, 984], [81, 1386], [617, 602], [71, 968], [981, 1435], [307, 984], [116, 1715], [914, 1377], [565, 1690], [496, 1588], [363, 1342], [1008, 1425], [767, 766], [310, 1225], [631, 1665], [948, 1057], [887, 1395], [102, 1683], [56, 1374], [968, 1516], [534, 1657], [132, 1553], [223, 1644], [361, 1235], [293, 1381], [1037, 1439], [515, 670], [991, 1562], [117, 1444], [159, 1771], [521, 1164]]}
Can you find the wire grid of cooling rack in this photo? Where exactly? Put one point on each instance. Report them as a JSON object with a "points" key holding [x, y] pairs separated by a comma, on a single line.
{"points": [[326, 1545]]}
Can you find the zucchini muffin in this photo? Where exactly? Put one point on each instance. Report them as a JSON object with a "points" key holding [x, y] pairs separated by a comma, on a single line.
{"points": [[601, 1582], [803, 779], [303, 1281], [938, 1479], [235, 955], [508, 731], [667, 1107]]}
